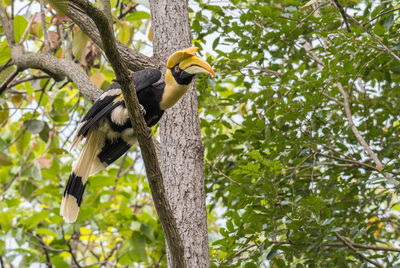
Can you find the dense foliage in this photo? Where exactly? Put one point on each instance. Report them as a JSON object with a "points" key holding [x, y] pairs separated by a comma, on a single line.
{"points": [[117, 222], [283, 160], [300, 131]]}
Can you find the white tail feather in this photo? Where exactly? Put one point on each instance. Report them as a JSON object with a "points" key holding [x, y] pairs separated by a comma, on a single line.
{"points": [[87, 160], [69, 208]]}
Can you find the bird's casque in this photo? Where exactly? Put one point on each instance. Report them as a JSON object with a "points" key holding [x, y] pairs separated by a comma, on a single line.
{"points": [[107, 127]]}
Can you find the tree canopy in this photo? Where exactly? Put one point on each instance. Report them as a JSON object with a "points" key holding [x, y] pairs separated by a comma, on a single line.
{"points": [[300, 130]]}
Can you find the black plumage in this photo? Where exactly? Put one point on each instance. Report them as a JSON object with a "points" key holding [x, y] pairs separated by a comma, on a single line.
{"points": [[107, 126]]}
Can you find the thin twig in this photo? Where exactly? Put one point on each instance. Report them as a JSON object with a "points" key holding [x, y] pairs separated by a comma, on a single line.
{"points": [[44, 27], [343, 13], [67, 242], [221, 173], [374, 37], [265, 70], [333, 99], [339, 244], [27, 29], [380, 15], [350, 245], [306, 17], [253, 21], [354, 162], [123, 14], [27, 80]]}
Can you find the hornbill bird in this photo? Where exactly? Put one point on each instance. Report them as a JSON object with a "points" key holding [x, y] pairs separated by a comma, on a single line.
{"points": [[107, 126]]}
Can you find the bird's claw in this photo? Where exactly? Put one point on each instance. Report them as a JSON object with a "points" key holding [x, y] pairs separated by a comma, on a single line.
{"points": [[149, 134], [142, 110]]}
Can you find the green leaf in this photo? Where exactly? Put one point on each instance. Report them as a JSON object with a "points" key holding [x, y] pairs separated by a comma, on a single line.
{"points": [[58, 261], [44, 134], [6, 219], [139, 246], [102, 181], [138, 15], [7, 72], [215, 43], [23, 142], [61, 6], [79, 43], [147, 231], [26, 189], [2, 246], [389, 22], [35, 218], [34, 126], [379, 29], [20, 24], [5, 52]]}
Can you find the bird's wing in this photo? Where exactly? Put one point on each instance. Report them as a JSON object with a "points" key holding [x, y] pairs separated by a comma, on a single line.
{"points": [[144, 78], [102, 106], [112, 98]]}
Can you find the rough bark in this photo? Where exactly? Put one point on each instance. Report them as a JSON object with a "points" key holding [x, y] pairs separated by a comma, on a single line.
{"points": [[149, 155], [182, 148]]}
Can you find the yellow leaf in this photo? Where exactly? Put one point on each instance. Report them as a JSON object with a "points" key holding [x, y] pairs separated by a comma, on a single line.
{"points": [[98, 79], [16, 99], [65, 254], [85, 231], [242, 109], [123, 32], [150, 35]]}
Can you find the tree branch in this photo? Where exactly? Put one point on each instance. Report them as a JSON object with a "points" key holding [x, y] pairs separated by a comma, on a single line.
{"points": [[333, 99], [147, 146], [57, 68], [354, 162], [67, 242], [339, 244], [353, 127], [133, 59], [388, 50], [221, 173], [380, 15], [8, 30], [343, 13], [350, 245]]}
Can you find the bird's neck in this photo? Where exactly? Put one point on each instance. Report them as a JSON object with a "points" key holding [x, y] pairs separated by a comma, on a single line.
{"points": [[172, 91]]}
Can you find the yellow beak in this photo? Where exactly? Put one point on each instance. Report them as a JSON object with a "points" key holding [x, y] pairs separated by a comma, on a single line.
{"points": [[189, 62], [195, 65]]}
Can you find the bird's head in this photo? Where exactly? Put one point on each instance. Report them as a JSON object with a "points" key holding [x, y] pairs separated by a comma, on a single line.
{"points": [[182, 66]]}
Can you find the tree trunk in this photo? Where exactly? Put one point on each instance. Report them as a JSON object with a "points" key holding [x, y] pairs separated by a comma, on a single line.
{"points": [[182, 148]]}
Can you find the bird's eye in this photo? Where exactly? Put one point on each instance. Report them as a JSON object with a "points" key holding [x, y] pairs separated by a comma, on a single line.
{"points": [[177, 69]]}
